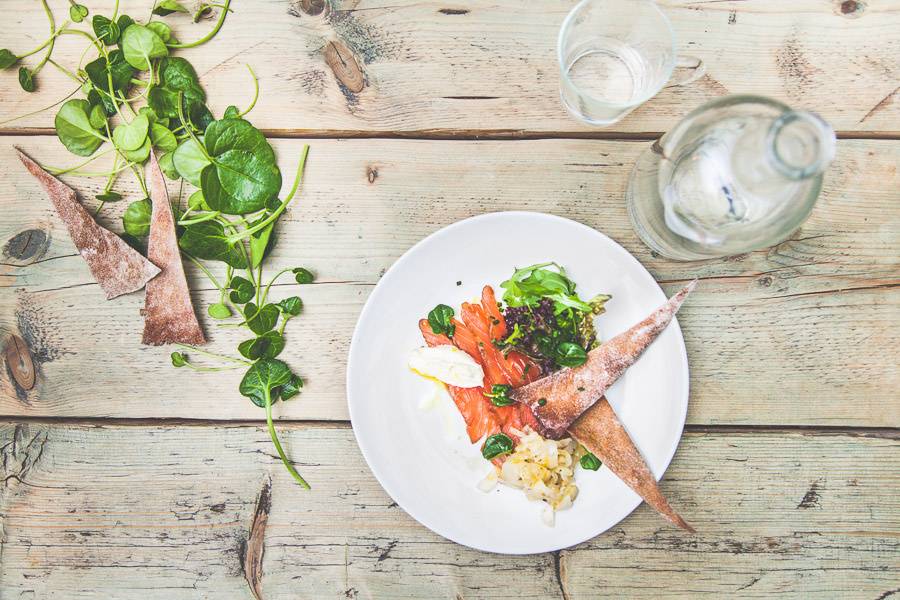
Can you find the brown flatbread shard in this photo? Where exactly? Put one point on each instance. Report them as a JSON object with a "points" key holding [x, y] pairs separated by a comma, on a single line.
{"points": [[117, 267], [563, 396], [600, 431], [168, 313]]}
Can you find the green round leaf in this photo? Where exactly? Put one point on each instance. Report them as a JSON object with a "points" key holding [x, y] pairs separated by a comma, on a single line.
{"points": [[106, 31], [163, 101], [291, 306], [124, 22], [140, 155], [167, 7], [216, 196], [141, 45], [161, 29], [303, 276], [268, 345], [237, 134], [77, 12], [262, 377], [168, 167], [219, 311], [262, 320], [249, 179], [176, 74], [162, 138], [100, 71], [74, 129], [189, 160], [242, 290], [207, 240], [136, 219], [131, 136], [26, 79], [7, 59], [178, 359], [97, 117]]}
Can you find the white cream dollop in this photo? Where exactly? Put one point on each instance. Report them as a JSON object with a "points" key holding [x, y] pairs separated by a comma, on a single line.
{"points": [[447, 364]]}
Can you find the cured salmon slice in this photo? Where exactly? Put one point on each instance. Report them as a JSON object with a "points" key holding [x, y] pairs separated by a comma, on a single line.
{"points": [[600, 431], [116, 266], [476, 410], [563, 396], [169, 313]]}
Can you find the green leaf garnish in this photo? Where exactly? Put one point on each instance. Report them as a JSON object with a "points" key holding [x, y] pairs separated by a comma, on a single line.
{"points": [[441, 320], [495, 445]]}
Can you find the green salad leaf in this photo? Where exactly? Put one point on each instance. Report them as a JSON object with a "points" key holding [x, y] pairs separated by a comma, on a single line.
{"points": [[441, 320], [141, 45], [74, 129], [495, 445], [590, 462]]}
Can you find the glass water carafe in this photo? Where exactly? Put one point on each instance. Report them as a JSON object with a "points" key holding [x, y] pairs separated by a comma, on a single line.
{"points": [[738, 174]]}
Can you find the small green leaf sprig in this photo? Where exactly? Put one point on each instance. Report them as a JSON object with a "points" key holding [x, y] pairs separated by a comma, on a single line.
{"points": [[139, 97]]}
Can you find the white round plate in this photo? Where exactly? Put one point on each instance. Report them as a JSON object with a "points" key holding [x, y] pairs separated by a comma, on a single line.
{"points": [[417, 446]]}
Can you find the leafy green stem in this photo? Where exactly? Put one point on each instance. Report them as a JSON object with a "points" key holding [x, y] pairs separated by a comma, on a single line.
{"points": [[63, 171], [274, 436], [214, 355], [216, 283], [272, 281], [209, 35], [204, 217], [40, 65], [66, 71], [255, 92], [40, 110]]}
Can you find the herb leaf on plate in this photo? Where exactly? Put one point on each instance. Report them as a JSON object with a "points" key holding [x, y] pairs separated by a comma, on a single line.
{"points": [[495, 445], [441, 320]]}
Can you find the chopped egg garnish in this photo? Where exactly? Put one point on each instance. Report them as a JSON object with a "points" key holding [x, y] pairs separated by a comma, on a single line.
{"points": [[544, 469], [447, 364]]}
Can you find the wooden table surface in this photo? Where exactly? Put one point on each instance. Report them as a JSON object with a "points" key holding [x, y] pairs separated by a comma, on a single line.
{"points": [[124, 478]]}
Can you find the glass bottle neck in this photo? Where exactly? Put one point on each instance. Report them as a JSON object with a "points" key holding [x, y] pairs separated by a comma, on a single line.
{"points": [[799, 145]]}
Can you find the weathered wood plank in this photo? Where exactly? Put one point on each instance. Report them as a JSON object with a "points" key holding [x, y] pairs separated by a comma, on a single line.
{"points": [[437, 66], [799, 334], [786, 513]]}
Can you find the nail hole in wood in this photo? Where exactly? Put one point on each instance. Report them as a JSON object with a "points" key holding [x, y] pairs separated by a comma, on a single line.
{"points": [[345, 66], [371, 174], [19, 361]]}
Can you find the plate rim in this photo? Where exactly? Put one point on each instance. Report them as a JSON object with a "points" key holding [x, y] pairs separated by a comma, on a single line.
{"points": [[446, 230]]}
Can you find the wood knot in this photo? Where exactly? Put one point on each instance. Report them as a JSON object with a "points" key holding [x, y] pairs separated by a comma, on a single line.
{"points": [[371, 174], [19, 361], [766, 281], [345, 66], [26, 246], [852, 8], [312, 7]]}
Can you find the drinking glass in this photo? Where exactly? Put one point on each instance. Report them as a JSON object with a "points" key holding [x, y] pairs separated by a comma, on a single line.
{"points": [[615, 55]]}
